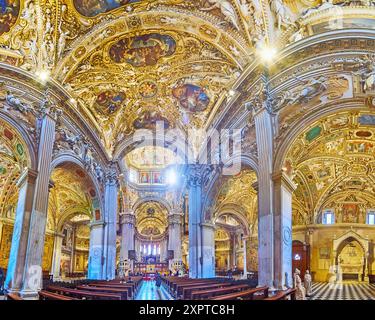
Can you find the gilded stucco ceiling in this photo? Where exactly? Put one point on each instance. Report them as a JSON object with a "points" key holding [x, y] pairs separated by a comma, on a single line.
{"points": [[151, 219], [332, 162], [129, 64], [149, 157], [72, 197], [13, 159]]}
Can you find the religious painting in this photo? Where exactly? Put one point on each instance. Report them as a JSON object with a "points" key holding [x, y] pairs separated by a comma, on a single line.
{"points": [[9, 11], [363, 134], [367, 120], [91, 8], [339, 122], [97, 215], [148, 89], [142, 51], [350, 213], [191, 97], [148, 120], [313, 133], [324, 253], [145, 177], [109, 102], [156, 177], [360, 147]]}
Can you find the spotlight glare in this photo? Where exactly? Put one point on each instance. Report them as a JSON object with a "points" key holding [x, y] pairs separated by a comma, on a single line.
{"points": [[267, 54], [43, 75], [171, 177]]}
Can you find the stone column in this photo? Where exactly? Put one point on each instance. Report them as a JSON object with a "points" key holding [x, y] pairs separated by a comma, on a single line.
{"points": [[18, 251], [283, 191], [244, 258], [264, 138], [195, 213], [95, 268], [208, 250], [56, 261], [73, 253], [35, 248], [234, 248], [174, 234], [127, 222], [110, 220]]}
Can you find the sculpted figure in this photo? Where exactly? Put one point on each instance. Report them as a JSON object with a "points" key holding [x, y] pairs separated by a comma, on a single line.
{"points": [[16, 102], [282, 14], [326, 4], [300, 290], [308, 283], [226, 9]]}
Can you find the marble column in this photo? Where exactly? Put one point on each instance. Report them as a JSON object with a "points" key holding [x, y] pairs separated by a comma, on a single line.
{"points": [[73, 253], [127, 222], [234, 248], [264, 138], [208, 250], [110, 220], [56, 260], [33, 262], [18, 251], [283, 191], [244, 258], [174, 235], [195, 216], [95, 267]]}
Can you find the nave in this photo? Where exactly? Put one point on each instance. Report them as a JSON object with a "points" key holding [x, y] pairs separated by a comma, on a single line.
{"points": [[149, 291]]}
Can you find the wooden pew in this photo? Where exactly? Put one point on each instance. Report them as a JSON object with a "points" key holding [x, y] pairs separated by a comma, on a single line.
{"points": [[46, 295], [206, 294], [180, 286], [186, 292], [129, 288], [124, 292], [13, 296], [84, 294], [243, 295], [282, 295]]}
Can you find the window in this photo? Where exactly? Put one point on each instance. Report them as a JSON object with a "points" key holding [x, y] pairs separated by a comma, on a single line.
{"points": [[133, 177], [371, 217], [328, 217]]}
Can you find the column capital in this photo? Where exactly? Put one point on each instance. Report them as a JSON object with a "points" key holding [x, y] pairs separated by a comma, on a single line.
{"points": [[261, 100], [208, 225], [175, 218], [282, 178], [28, 176], [127, 218], [96, 224]]}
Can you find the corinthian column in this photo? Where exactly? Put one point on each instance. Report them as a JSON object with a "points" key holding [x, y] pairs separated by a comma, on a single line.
{"points": [[195, 217], [284, 188], [110, 220], [174, 234], [264, 137], [127, 222], [32, 274]]}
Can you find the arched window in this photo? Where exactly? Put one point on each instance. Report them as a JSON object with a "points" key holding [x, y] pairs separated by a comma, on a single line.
{"points": [[371, 217], [328, 217]]}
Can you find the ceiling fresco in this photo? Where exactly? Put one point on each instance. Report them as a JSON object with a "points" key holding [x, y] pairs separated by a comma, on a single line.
{"points": [[333, 159], [14, 159], [151, 219], [72, 197]]}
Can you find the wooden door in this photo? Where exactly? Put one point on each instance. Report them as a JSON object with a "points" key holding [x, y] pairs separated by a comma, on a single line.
{"points": [[300, 257]]}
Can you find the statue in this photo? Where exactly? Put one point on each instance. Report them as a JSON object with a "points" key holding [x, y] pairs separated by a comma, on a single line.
{"points": [[282, 14], [307, 283], [16, 102], [226, 9], [326, 4], [300, 290]]}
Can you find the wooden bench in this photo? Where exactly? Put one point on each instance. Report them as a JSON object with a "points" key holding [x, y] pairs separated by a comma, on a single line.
{"points": [[206, 294], [46, 295], [282, 295], [243, 295], [124, 292], [84, 294], [129, 288], [180, 287], [186, 293], [13, 296]]}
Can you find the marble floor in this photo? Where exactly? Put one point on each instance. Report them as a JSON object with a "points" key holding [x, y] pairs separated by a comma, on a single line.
{"points": [[149, 291], [344, 291]]}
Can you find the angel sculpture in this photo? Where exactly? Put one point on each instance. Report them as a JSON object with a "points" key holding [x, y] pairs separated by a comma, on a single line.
{"points": [[226, 9]]}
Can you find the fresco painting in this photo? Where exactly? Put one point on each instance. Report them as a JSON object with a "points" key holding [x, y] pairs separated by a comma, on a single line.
{"points": [[191, 97], [9, 12], [92, 8]]}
